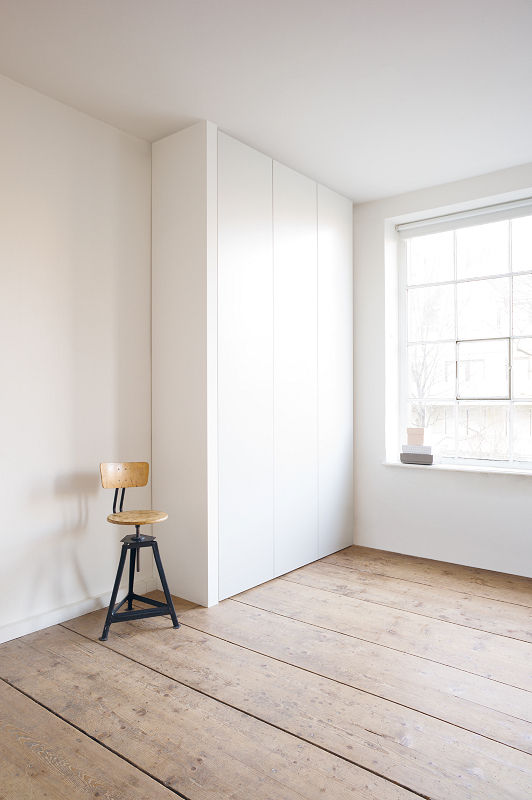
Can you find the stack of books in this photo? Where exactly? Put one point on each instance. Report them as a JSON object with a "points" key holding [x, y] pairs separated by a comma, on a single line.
{"points": [[415, 452]]}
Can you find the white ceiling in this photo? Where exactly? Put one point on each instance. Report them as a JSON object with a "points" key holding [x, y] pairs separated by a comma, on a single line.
{"points": [[371, 97]]}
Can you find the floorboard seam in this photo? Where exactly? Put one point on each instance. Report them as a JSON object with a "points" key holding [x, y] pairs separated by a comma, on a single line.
{"points": [[324, 677], [93, 738], [372, 694], [423, 583], [379, 644], [254, 716], [406, 610]]}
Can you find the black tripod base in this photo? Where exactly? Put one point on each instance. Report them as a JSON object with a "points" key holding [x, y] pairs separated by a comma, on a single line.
{"points": [[157, 608]]}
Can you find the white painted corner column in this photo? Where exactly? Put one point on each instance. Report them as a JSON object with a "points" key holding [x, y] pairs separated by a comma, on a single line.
{"points": [[184, 358]]}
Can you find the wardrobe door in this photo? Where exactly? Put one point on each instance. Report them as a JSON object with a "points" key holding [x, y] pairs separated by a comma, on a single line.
{"points": [[295, 370], [335, 371], [245, 367]]}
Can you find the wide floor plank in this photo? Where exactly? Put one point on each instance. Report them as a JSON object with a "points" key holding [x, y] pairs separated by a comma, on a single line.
{"points": [[402, 744], [480, 582], [492, 616], [491, 709], [501, 659], [43, 757], [193, 744], [338, 680]]}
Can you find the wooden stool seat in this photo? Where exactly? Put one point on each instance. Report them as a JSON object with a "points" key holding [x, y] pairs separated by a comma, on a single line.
{"points": [[137, 517]]}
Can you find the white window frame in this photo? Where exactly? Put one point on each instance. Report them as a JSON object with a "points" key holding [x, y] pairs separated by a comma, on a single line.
{"points": [[454, 221]]}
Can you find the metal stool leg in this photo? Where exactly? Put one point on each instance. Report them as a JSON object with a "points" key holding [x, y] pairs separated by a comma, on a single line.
{"points": [[132, 555], [103, 637], [164, 584], [137, 536]]}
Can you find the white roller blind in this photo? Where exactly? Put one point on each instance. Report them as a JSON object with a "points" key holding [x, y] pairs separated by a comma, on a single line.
{"points": [[465, 219]]}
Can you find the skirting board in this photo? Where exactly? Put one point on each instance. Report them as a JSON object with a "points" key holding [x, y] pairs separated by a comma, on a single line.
{"points": [[20, 628]]}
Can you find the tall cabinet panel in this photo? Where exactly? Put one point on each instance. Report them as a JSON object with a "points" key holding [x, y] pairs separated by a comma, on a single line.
{"points": [[245, 367], [335, 372], [295, 384], [252, 365]]}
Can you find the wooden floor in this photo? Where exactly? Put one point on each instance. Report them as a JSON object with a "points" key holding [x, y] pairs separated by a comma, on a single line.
{"points": [[364, 675]]}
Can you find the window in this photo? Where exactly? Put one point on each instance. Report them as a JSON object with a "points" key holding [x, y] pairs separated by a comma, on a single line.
{"points": [[466, 341]]}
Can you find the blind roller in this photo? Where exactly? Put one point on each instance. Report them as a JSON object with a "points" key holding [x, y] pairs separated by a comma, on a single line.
{"points": [[465, 219]]}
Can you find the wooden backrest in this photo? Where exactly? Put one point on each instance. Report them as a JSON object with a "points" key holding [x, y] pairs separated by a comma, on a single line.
{"points": [[124, 474]]}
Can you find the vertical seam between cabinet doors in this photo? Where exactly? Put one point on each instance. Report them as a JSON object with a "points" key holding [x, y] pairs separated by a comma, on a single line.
{"points": [[273, 387], [317, 381], [151, 345], [218, 163]]}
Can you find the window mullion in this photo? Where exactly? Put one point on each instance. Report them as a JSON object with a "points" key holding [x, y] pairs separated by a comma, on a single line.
{"points": [[403, 341], [474, 279]]}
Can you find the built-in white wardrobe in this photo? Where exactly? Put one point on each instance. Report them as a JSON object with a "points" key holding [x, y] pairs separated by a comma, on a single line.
{"points": [[252, 365]]}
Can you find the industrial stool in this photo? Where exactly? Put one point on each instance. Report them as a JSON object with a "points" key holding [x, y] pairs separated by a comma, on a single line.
{"points": [[122, 476]]}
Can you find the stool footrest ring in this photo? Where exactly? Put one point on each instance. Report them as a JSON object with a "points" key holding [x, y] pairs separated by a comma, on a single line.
{"points": [[139, 613]]}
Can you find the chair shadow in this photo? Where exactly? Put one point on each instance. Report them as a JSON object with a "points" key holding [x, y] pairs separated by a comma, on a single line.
{"points": [[74, 489], [72, 492]]}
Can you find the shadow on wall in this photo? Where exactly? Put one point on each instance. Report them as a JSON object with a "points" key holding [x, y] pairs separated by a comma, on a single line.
{"points": [[78, 486], [61, 548]]}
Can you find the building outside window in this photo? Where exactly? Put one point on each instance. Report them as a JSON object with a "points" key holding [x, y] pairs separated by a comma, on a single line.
{"points": [[466, 335]]}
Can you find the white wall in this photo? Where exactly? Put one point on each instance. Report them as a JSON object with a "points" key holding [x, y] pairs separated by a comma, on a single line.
{"points": [[75, 351], [185, 359], [483, 520]]}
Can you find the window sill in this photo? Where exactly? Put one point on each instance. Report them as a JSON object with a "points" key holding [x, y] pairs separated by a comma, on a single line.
{"points": [[460, 468]]}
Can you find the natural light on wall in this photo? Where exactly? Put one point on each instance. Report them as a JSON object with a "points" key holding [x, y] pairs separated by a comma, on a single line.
{"points": [[465, 340]]}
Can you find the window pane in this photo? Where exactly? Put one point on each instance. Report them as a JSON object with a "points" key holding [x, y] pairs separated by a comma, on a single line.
{"points": [[431, 258], [522, 244], [438, 421], [483, 369], [431, 314], [522, 432], [483, 308], [522, 305], [483, 431], [482, 250], [522, 368], [432, 370]]}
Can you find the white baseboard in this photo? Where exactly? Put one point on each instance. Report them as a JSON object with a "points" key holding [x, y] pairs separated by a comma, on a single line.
{"points": [[31, 624]]}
